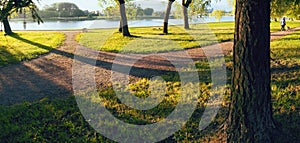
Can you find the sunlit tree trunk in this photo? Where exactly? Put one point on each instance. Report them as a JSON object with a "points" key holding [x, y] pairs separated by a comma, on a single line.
{"points": [[120, 26], [124, 23], [250, 116], [167, 15], [185, 6]]}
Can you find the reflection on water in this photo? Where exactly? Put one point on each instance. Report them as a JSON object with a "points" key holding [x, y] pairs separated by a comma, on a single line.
{"points": [[69, 25]]}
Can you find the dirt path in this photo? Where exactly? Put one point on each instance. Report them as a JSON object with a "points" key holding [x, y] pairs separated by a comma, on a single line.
{"points": [[50, 75]]}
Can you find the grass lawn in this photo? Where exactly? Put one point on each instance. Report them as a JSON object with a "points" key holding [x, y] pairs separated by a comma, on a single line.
{"points": [[59, 120], [151, 39], [286, 82], [27, 45]]}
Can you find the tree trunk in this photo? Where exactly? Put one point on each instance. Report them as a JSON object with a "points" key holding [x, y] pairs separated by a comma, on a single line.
{"points": [[250, 113], [167, 15], [185, 18], [120, 26], [185, 6], [6, 25], [124, 23]]}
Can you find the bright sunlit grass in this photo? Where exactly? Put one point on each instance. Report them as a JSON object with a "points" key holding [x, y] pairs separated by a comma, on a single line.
{"points": [[275, 26], [27, 45], [151, 39]]}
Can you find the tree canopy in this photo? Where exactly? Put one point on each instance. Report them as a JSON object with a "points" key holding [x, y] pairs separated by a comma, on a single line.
{"points": [[280, 8], [61, 9], [9, 7], [148, 11], [218, 14]]}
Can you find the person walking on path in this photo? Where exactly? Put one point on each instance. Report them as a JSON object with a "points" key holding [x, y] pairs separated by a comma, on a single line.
{"points": [[283, 23]]}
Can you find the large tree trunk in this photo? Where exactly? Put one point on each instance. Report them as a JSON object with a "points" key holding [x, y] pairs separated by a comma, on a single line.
{"points": [[185, 6], [167, 15], [6, 25], [250, 114], [124, 23]]}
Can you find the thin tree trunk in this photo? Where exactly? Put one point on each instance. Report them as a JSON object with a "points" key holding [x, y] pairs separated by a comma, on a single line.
{"points": [[120, 26], [167, 15], [185, 6], [185, 17], [125, 29], [6, 25], [250, 114]]}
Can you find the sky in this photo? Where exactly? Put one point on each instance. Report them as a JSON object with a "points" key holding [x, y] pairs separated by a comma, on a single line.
{"points": [[93, 5]]}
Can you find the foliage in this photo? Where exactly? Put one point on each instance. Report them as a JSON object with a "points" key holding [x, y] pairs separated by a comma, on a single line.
{"points": [[218, 14], [61, 9], [9, 7], [199, 8], [280, 8], [27, 45], [148, 11], [177, 11], [111, 11], [133, 10]]}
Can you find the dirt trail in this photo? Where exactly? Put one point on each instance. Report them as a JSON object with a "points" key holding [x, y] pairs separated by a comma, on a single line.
{"points": [[50, 75]]}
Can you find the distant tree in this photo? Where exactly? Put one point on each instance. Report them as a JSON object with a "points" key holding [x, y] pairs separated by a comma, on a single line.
{"points": [[280, 8], [167, 15], [294, 11], [8, 7], [159, 13], [139, 11], [185, 5], [133, 10], [218, 14], [123, 18], [148, 11], [68, 9], [62, 9], [194, 8], [111, 11]]}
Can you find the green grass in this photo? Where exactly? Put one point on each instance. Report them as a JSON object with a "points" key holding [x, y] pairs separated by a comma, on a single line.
{"points": [[275, 26], [151, 39], [27, 45], [286, 82]]}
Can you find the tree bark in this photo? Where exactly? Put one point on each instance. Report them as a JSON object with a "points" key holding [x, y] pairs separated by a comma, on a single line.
{"points": [[6, 25], [250, 113], [185, 18], [185, 6], [167, 15], [125, 29]]}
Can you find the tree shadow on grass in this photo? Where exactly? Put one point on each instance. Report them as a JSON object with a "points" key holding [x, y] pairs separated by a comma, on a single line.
{"points": [[7, 57], [44, 78]]}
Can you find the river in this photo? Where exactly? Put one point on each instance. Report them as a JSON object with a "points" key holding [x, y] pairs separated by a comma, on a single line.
{"points": [[95, 24]]}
